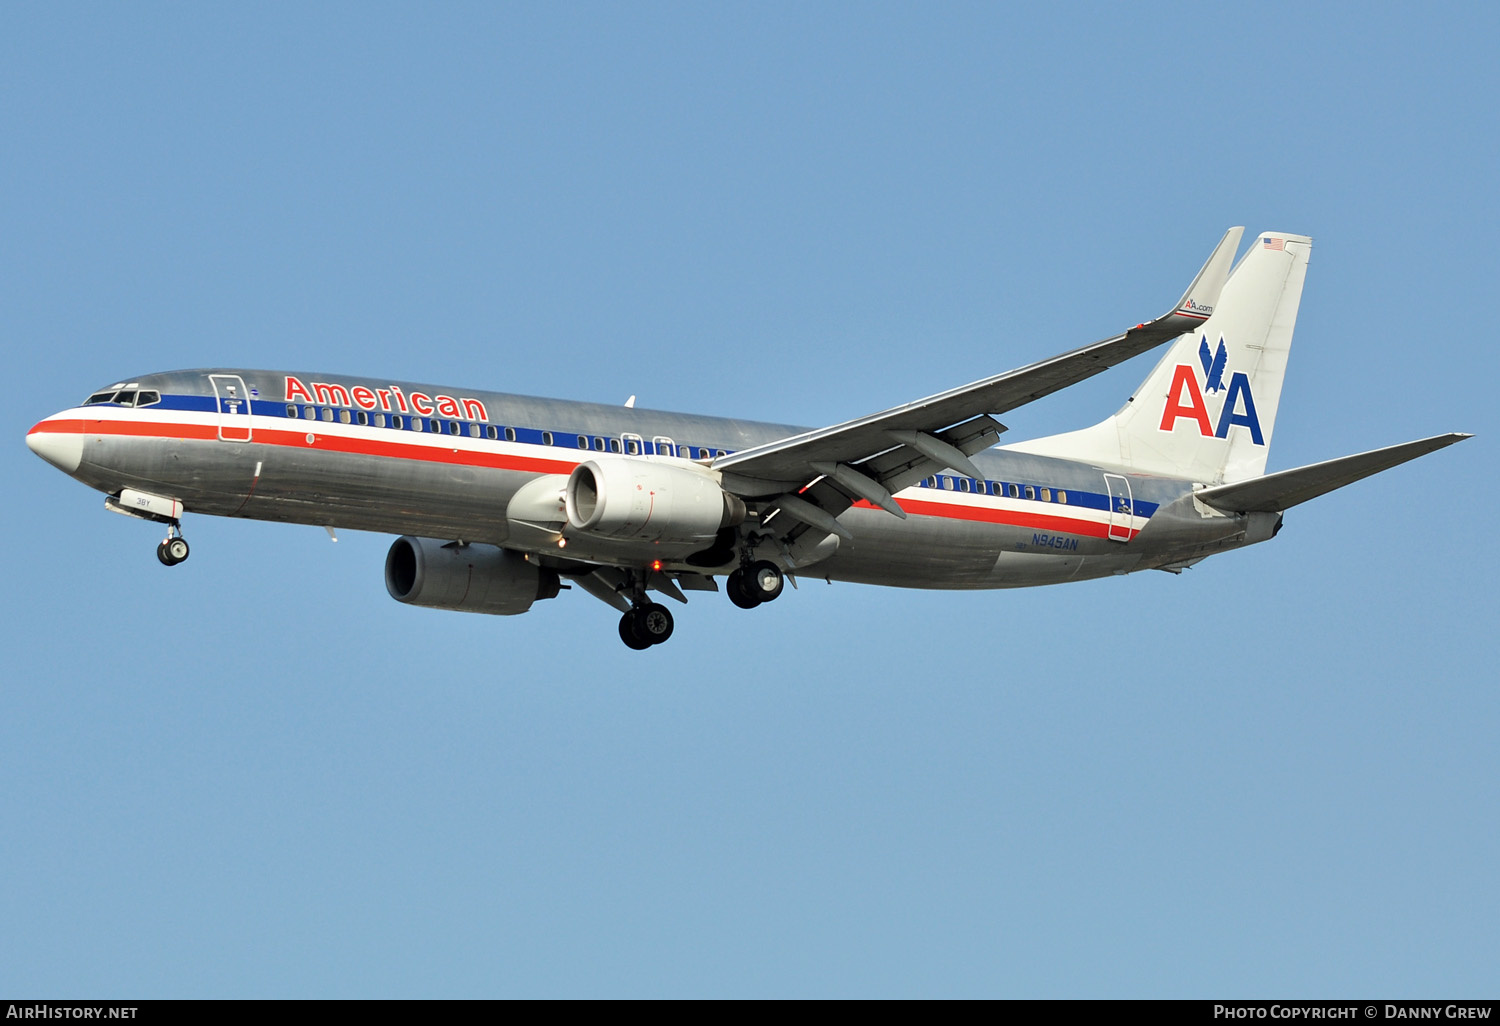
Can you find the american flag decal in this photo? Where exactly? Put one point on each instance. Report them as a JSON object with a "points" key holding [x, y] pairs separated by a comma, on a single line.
{"points": [[1271, 243]]}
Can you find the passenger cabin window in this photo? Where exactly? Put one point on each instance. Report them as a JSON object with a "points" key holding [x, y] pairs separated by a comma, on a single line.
{"points": [[510, 434], [473, 430], [344, 417], [327, 414], [1030, 492], [614, 445], [546, 437], [363, 418], [398, 422], [632, 447], [1015, 491], [598, 444], [291, 411], [380, 420], [963, 484], [1046, 494], [1062, 496], [418, 424], [437, 428]]}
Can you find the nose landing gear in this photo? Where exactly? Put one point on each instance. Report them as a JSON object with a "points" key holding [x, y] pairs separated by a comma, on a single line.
{"points": [[175, 548]]}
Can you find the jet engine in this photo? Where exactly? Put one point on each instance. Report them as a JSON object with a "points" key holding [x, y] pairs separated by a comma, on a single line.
{"points": [[649, 500], [471, 578]]}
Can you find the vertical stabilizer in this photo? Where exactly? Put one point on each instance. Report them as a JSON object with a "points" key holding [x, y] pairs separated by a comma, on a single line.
{"points": [[1207, 410]]}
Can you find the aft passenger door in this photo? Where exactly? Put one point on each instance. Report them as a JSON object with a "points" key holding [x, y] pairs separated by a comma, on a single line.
{"points": [[1121, 523], [233, 400]]}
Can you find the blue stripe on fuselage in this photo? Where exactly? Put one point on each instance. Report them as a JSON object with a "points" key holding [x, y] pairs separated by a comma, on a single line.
{"points": [[568, 439]]}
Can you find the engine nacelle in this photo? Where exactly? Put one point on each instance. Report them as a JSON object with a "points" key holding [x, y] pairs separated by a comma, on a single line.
{"points": [[471, 578], [649, 500]]}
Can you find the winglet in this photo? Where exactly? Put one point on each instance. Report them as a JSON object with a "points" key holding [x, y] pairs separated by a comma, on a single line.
{"points": [[1202, 295]]}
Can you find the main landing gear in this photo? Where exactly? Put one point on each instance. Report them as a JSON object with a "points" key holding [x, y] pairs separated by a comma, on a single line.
{"points": [[175, 548], [649, 623], [646, 624], [755, 583]]}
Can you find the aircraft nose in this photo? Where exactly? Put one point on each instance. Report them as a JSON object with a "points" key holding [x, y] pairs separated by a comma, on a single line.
{"points": [[60, 444]]}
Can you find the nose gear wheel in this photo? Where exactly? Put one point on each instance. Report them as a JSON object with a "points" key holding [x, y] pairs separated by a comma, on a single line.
{"points": [[175, 548]]}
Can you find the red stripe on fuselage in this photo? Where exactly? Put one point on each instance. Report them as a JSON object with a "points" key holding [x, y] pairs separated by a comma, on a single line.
{"points": [[996, 515], [321, 443], [530, 464], [142, 429]]}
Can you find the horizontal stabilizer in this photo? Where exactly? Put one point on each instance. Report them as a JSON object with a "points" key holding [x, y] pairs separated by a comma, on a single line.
{"points": [[1276, 492]]}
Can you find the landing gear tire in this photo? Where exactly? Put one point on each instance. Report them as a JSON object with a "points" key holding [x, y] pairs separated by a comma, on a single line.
{"points": [[172, 551], [764, 581], [653, 623], [738, 593], [627, 632]]}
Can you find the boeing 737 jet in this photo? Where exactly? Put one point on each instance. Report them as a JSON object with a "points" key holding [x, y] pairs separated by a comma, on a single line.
{"points": [[503, 500]]}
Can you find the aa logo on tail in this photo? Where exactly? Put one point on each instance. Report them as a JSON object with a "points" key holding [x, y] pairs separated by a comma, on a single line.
{"points": [[1185, 396]]}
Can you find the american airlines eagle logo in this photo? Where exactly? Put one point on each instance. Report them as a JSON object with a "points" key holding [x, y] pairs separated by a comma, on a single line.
{"points": [[1185, 397], [1213, 365]]}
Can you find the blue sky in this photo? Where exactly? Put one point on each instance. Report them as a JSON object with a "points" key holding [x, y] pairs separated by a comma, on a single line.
{"points": [[256, 775]]}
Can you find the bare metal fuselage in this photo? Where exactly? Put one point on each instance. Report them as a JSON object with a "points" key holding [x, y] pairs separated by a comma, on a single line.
{"points": [[243, 443]]}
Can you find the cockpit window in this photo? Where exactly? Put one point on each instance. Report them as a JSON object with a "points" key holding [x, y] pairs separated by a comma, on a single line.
{"points": [[121, 395]]}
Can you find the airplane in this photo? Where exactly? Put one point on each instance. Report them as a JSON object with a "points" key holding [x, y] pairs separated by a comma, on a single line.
{"points": [[501, 500]]}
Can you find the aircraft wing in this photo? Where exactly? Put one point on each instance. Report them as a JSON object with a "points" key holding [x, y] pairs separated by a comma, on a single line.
{"points": [[873, 456], [1274, 493]]}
